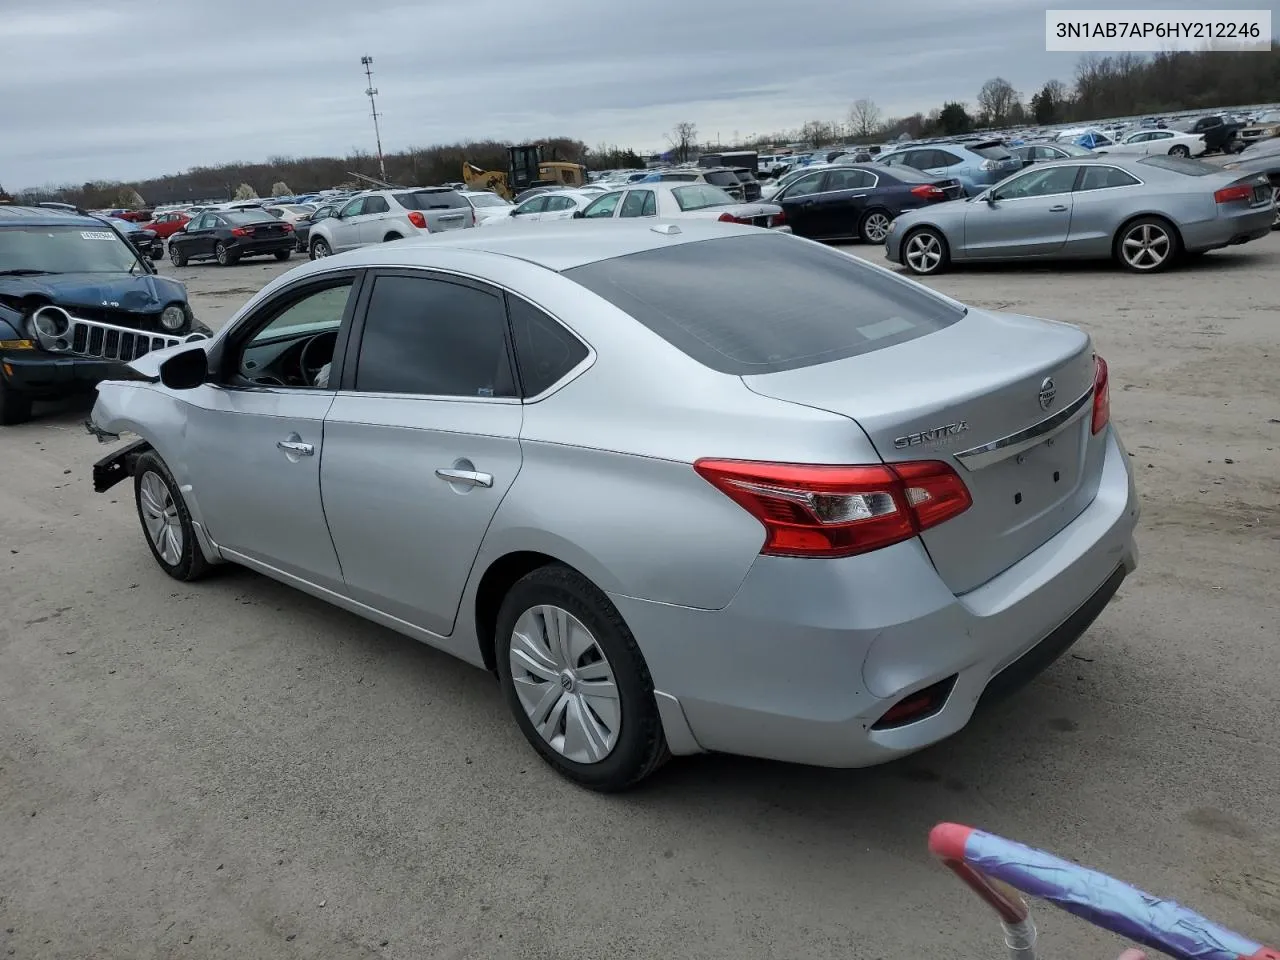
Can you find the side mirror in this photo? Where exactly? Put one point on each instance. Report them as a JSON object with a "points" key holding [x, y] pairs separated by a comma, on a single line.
{"points": [[578, 214], [186, 370], [514, 211], [990, 197]]}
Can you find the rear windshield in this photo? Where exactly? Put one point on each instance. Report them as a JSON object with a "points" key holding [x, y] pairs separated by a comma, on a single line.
{"points": [[431, 200], [245, 216], [699, 196], [992, 152], [721, 178], [1192, 168], [765, 303]]}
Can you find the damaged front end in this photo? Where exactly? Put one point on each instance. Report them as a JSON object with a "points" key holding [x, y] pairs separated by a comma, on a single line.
{"points": [[117, 466]]}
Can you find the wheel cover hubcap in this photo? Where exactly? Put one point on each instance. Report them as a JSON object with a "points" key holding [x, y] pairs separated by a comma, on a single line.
{"points": [[1146, 246], [160, 517], [924, 252], [877, 226], [565, 684]]}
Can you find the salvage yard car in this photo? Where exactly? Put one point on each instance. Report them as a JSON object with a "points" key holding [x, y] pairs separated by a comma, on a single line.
{"points": [[1143, 213], [867, 510], [76, 299], [228, 236]]}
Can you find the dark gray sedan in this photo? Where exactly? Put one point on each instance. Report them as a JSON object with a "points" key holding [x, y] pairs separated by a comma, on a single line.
{"points": [[1143, 212]]}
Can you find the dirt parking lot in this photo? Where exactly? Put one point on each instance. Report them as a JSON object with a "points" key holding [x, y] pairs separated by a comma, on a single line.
{"points": [[233, 769]]}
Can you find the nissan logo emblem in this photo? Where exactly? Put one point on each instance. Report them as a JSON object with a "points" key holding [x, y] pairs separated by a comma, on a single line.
{"points": [[1047, 392]]}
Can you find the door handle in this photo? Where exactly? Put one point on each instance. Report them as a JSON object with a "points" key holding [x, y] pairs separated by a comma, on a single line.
{"points": [[1059, 208], [468, 478], [295, 446]]}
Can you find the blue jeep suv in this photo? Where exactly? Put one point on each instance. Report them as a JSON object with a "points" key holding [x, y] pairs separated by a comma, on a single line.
{"points": [[76, 302]]}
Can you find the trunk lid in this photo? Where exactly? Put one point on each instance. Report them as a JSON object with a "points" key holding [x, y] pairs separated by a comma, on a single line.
{"points": [[975, 395]]}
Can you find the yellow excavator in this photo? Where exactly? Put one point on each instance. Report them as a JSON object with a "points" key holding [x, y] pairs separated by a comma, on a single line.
{"points": [[525, 169]]}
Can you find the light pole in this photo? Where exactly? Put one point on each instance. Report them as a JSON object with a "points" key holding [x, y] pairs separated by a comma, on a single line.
{"points": [[372, 92]]}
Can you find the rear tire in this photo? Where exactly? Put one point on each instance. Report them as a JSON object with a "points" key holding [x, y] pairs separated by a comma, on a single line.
{"points": [[1147, 245], [15, 407], [391, 236], [224, 256], [1179, 150], [166, 523], [625, 716], [283, 255], [874, 226], [925, 252]]}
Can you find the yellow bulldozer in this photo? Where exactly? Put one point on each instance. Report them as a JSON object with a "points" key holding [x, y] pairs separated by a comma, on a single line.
{"points": [[525, 169]]}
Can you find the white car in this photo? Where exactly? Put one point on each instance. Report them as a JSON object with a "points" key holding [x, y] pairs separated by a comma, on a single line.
{"points": [[487, 205], [552, 205], [673, 200], [290, 212], [380, 216], [1169, 142]]}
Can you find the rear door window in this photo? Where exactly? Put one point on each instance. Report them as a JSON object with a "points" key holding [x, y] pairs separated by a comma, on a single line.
{"points": [[376, 205], [774, 304], [633, 206], [603, 206], [1100, 177]]}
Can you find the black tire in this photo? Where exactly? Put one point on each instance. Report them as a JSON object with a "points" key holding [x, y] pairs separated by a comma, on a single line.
{"points": [[320, 248], [1148, 227], [391, 236], [283, 255], [641, 747], [874, 226], [15, 407], [176, 256], [224, 256], [1179, 150], [191, 564], [927, 267]]}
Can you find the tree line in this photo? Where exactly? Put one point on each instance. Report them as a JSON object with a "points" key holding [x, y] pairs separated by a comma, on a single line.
{"points": [[1103, 86]]}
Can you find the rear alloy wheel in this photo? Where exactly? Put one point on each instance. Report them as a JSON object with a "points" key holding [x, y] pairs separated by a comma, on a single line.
{"points": [[319, 248], [875, 226], [925, 252], [165, 521], [283, 255], [1179, 150], [576, 682], [224, 256], [176, 256], [1147, 245]]}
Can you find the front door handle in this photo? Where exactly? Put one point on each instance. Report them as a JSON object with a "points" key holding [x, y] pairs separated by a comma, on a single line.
{"points": [[468, 478], [1058, 209], [295, 446]]}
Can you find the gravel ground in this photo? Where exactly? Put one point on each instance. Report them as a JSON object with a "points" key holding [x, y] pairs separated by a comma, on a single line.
{"points": [[232, 769]]}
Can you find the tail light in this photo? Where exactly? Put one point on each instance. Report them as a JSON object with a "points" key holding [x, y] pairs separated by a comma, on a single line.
{"points": [[242, 231], [928, 191], [811, 510], [417, 218], [288, 227], [990, 165], [779, 219], [1101, 394], [1239, 191], [730, 218]]}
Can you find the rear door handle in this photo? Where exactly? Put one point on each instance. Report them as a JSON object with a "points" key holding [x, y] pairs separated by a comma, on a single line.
{"points": [[295, 446], [469, 478], [1059, 208]]}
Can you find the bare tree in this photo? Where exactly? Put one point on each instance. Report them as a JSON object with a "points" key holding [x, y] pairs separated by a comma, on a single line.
{"points": [[864, 117], [682, 138], [818, 132], [996, 99]]}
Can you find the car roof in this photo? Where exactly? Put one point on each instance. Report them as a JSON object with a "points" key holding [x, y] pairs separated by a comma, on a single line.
{"points": [[558, 246], [20, 216]]}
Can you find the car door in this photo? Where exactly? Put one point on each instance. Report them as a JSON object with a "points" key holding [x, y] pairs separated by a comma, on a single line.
{"points": [[603, 207], [422, 442], [1099, 193], [559, 208], [255, 446], [197, 241], [800, 201], [1028, 215], [372, 222], [839, 205], [344, 226]]}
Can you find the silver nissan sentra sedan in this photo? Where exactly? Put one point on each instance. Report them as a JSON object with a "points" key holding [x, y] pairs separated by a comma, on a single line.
{"points": [[683, 488]]}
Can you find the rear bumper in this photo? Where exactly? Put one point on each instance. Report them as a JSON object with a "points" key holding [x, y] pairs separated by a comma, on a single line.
{"points": [[1229, 229], [810, 654], [257, 248]]}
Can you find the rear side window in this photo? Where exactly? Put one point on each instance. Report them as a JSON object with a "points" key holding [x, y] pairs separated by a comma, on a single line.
{"points": [[432, 337], [993, 152], [545, 351], [762, 304], [721, 178], [1100, 178], [1192, 168], [376, 205], [430, 200]]}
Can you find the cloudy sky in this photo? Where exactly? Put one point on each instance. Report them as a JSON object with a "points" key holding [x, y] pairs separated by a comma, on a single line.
{"points": [[128, 89]]}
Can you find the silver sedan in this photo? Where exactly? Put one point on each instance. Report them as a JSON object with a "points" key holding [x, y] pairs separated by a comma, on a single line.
{"points": [[1141, 212], [681, 487]]}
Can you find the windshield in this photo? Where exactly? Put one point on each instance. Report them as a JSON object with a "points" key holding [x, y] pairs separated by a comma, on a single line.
{"points": [[64, 249], [699, 196], [1271, 116], [487, 200]]}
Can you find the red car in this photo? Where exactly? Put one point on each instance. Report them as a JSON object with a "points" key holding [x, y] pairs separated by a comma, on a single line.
{"points": [[167, 224]]}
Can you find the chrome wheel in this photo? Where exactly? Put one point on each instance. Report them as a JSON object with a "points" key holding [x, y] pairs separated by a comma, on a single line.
{"points": [[875, 228], [1146, 246], [160, 517], [1179, 151], [1275, 201], [565, 684], [220, 251], [924, 252]]}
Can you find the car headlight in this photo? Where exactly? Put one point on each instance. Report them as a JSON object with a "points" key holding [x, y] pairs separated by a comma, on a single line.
{"points": [[173, 317]]}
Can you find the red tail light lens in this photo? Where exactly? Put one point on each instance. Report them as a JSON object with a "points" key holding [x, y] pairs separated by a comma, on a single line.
{"points": [[730, 218], [242, 231], [929, 192], [417, 219], [811, 510], [1241, 191], [779, 219], [1101, 394], [288, 227]]}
